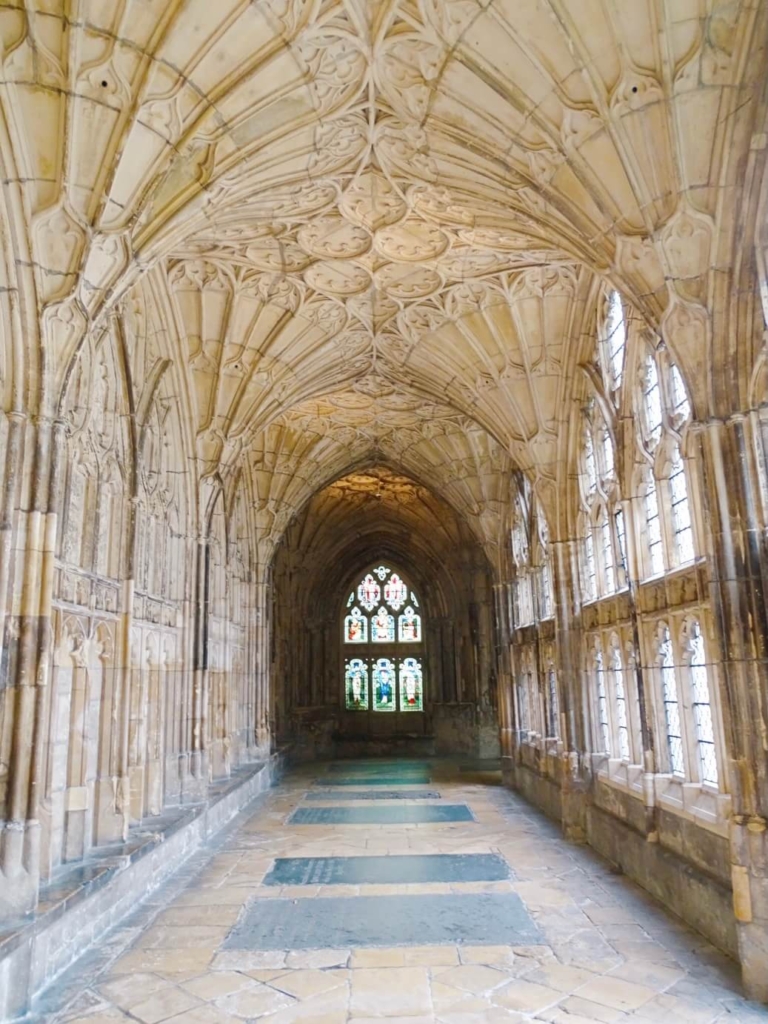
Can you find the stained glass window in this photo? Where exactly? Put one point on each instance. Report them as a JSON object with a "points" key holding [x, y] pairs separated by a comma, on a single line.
{"points": [[382, 627], [409, 626], [356, 628], [380, 615], [410, 685], [384, 685], [356, 685]]}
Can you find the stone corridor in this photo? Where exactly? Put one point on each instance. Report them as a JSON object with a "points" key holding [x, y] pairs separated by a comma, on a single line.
{"points": [[411, 891]]}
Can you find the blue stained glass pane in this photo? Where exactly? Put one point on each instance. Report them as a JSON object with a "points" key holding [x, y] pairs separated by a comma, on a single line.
{"points": [[384, 685]]}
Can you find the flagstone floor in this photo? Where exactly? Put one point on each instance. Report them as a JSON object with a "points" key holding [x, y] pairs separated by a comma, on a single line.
{"points": [[282, 921]]}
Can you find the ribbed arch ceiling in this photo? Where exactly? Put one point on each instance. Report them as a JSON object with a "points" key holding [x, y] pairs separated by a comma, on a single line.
{"points": [[328, 192]]}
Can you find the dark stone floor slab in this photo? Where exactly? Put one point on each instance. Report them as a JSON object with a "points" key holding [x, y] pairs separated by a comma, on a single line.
{"points": [[438, 867], [498, 919], [414, 779], [378, 767], [373, 794], [406, 814]]}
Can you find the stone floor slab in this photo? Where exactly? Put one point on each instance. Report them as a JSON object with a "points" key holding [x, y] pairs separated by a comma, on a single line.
{"points": [[418, 814], [472, 867], [496, 919], [411, 779], [373, 794]]}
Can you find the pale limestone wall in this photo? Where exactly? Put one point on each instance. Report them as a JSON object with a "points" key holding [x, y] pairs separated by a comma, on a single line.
{"points": [[246, 253]]}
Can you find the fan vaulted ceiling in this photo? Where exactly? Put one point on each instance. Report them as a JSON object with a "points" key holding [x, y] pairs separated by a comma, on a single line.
{"points": [[373, 230]]}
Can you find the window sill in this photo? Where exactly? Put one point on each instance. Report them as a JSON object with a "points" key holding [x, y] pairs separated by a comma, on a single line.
{"points": [[620, 774], [701, 804]]}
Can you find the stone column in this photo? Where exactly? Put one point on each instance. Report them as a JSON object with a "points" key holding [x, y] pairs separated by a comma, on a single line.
{"points": [[506, 716], [571, 691], [261, 728], [198, 781], [30, 651], [739, 585]]}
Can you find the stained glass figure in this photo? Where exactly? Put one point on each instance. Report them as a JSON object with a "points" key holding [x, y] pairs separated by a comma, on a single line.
{"points": [[409, 626], [356, 628], [382, 627], [395, 592], [357, 685], [384, 685], [369, 593], [411, 698]]}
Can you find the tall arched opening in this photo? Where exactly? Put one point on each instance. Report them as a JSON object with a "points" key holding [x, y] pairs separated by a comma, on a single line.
{"points": [[383, 625]]}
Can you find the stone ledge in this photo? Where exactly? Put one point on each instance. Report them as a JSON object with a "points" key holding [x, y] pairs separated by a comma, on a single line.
{"points": [[86, 900]]}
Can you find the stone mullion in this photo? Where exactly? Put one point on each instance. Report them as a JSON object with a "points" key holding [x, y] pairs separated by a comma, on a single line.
{"points": [[738, 588], [569, 637], [504, 670], [568, 632], [260, 620], [186, 660], [199, 767]]}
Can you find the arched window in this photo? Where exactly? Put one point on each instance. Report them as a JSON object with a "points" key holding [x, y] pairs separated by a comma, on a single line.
{"points": [[664, 412], [602, 703], [700, 704], [602, 524], [531, 590], [383, 637], [553, 705], [670, 698], [612, 342], [620, 700]]}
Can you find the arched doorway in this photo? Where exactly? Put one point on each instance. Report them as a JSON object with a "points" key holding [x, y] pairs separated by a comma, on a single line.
{"points": [[383, 652]]}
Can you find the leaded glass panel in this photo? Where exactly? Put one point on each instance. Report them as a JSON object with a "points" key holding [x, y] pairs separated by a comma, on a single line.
{"points": [[369, 593], [702, 709], [384, 685], [653, 526], [671, 706], [395, 592], [383, 627], [409, 626], [411, 698], [616, 337], [356, 688], [602, 703], [620, 698], [356, 628], [681, 511]]}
